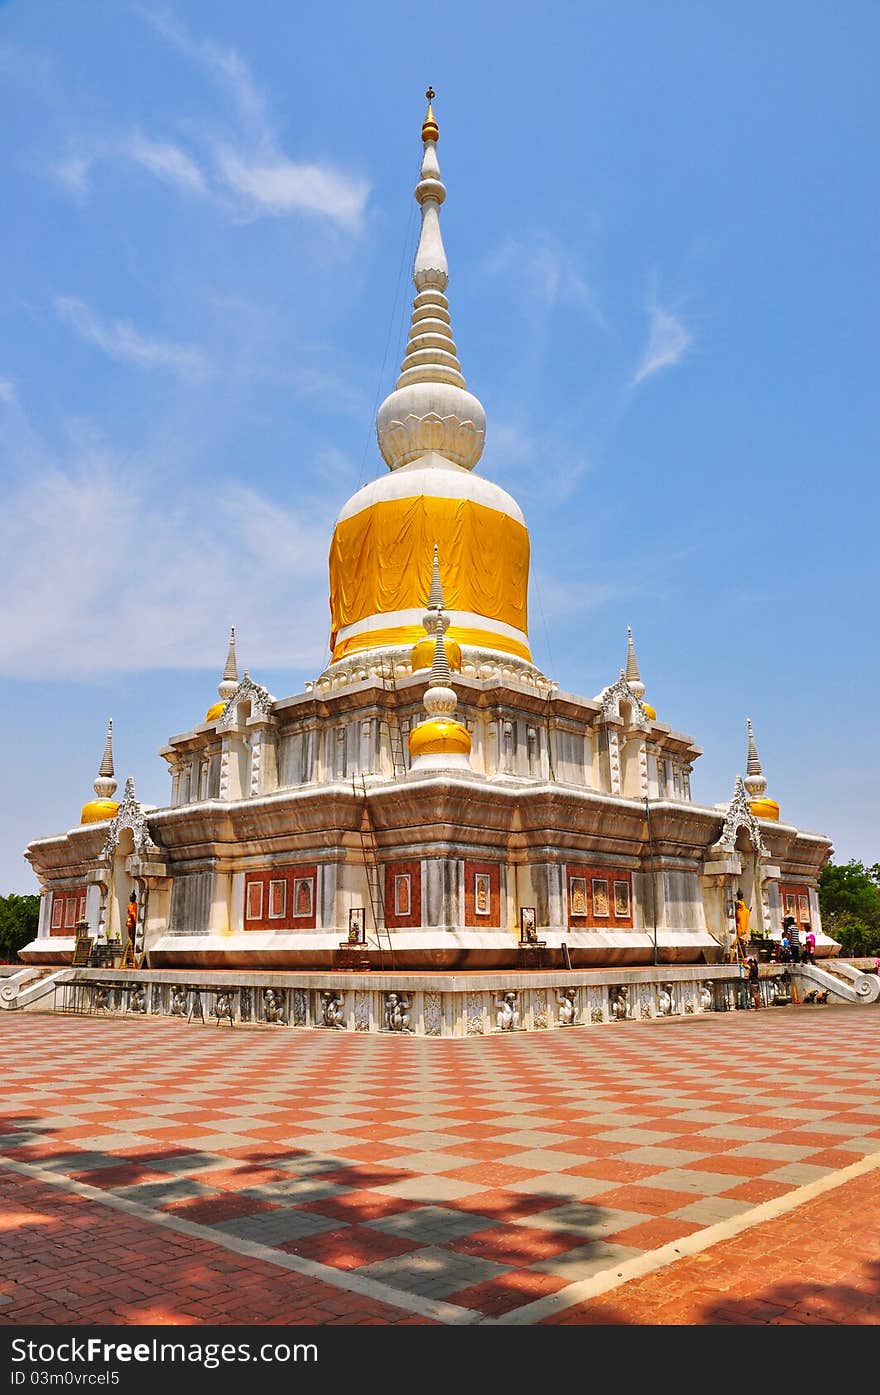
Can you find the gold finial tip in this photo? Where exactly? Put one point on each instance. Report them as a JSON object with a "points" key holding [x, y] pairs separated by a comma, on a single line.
{"points": [[430, 129]]}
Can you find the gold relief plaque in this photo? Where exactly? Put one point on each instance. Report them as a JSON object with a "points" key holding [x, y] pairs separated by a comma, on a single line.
{"points": [[621, 900], [403, 894], [482, 892], [277, 900], [600, 897], [302, 897], [803, 908], [577, 895], [254, 907]]}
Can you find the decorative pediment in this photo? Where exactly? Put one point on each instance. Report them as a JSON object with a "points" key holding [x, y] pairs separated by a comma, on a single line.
{"points": [[739, 815], [260, 699], [130, 814], [611, 698]]}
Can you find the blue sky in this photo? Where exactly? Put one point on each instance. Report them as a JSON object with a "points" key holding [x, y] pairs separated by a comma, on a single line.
{"points": [[661, 230]]}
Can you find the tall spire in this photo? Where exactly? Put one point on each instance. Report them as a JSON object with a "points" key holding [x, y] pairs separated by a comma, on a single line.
{"points": [[230, 672], [439, 741], [106, 766], [761, 806], [103, 806], [229, 681], [755, 782], [633, 677], [429, 409], [435, 595]]}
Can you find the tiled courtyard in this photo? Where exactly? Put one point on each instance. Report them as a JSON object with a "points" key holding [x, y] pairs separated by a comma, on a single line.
{"points": [[671, 1171]]}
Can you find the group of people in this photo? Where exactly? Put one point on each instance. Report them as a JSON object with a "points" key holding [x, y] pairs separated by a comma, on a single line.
{"points": [[790, 950]]}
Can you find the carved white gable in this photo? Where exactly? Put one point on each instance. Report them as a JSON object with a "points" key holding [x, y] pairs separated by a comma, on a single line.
{"points": [[739, 815], [130, 814], [260, 699], [611, 698]]}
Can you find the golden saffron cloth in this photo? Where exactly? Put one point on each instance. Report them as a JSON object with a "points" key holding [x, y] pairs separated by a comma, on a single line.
{"points": [[381, 558]]}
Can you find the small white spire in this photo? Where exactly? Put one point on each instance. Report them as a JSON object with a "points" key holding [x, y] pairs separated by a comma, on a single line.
{"points": [[755, 782], [105, 785], [230, 673], [633, 676]]}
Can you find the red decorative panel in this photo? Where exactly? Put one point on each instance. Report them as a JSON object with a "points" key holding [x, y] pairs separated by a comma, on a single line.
{"points": [[599, 896], [795, 900], [482, 894], [282, 898], [68, 907], [403, 894]]}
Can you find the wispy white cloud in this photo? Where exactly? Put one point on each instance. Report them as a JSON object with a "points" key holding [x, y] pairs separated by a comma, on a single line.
{"points": [[242, 168], [548, 272], [669, 340], [121, 340], [8, 392], [162, 159], [75, 607], [279, 185]]}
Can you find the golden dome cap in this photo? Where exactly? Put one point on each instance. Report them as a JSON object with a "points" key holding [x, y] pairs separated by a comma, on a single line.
{"points": [[430, 129], [423, 654], [97, 810], [650, 712], [765, 809], [439, 738]]}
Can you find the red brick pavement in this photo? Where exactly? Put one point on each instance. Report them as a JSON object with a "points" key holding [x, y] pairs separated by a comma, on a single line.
{"points": [[819, 1264], [483, 1173], [65, 1261]]}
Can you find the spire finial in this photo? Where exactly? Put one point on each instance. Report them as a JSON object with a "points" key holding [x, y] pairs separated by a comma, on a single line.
{"points": [[106, 766], [633, 676], [104, 807], [755, 782], [435, 595], [230, 672], [430, 129]]}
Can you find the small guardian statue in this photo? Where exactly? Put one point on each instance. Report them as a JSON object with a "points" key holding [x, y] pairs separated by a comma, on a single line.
{"points": [[707, 997], [507, 1016], [665, 1001], [272, 1008], [137, 1001], [619, 1002], [223, 1008], [396, 1013], [331, 1009], [567, 1012], [178, 1002]]}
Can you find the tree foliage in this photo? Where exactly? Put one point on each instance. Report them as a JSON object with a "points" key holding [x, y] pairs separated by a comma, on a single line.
{"points": [[849, 898], [18, 924]]}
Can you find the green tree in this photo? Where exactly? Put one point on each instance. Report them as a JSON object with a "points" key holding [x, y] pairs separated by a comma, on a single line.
{"points": [[849, 898], [18, 924]]}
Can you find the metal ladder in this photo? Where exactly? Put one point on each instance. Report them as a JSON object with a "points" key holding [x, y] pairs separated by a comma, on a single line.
{"points": [[548, 726], [391, 724], [373, 870]]}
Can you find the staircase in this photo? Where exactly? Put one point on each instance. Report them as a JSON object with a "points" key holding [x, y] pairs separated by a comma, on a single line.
{"points": [[843, 982], [29, 985]]}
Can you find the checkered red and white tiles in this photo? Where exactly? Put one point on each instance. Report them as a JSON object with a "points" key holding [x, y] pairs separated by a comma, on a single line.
{"points": [[477, 1175]]}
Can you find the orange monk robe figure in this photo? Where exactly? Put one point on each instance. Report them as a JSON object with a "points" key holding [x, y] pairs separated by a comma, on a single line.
{"points": [[131, 917], [741, 914]]}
